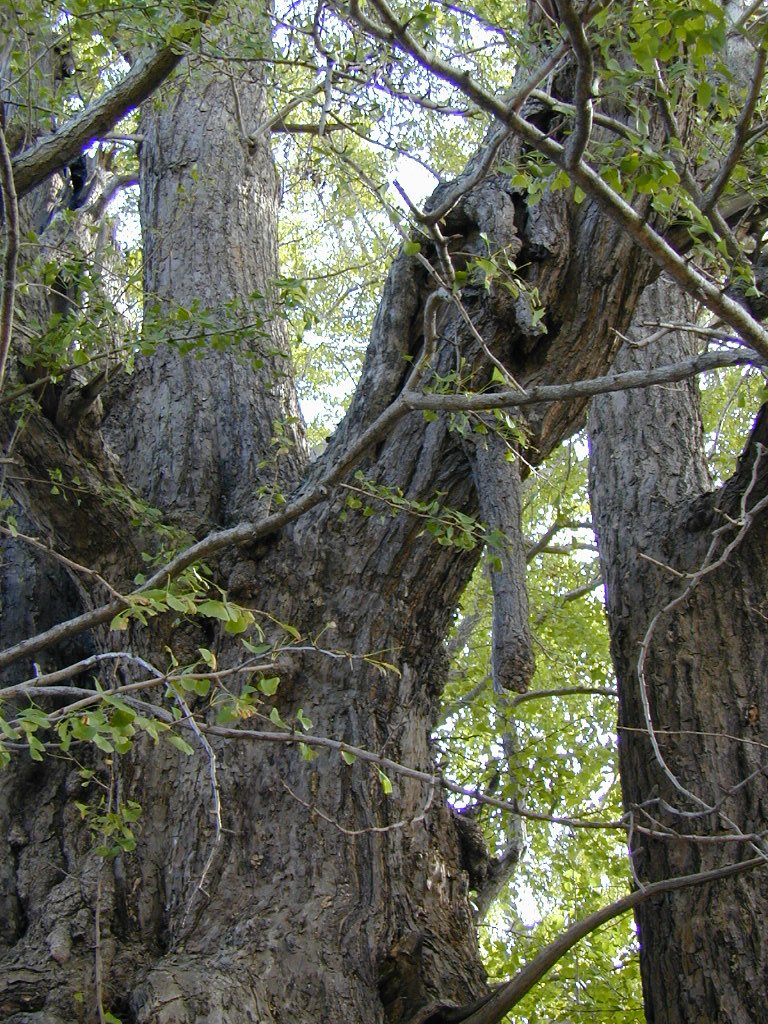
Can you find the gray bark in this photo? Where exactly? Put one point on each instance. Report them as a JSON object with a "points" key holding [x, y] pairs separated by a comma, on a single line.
{"points": [[497, 482], [323, 898], [195, 434], [656, 517]]}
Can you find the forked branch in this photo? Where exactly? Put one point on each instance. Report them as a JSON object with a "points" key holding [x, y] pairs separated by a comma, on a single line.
{"points": [[248, 532]]}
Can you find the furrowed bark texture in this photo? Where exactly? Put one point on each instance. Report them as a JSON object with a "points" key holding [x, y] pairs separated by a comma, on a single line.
{"points": [[208, 206], [702, 954], [323, 898]]}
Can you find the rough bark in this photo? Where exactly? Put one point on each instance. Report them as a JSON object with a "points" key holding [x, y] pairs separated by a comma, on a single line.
{"points": [[704, 677], [323, 897], [195, 434]]}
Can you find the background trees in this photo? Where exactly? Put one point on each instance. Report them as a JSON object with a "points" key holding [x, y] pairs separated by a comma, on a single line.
{"points": [[228, 782]]}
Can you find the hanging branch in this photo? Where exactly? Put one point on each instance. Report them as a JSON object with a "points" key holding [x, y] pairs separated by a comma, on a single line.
{"points": [[582, 92], [497, 482]]}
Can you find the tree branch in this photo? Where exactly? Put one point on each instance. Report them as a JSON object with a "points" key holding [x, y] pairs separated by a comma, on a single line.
{"points": [[691, 280], [565, 691], [149, 71], [10, 213], [248, 532], [582, 91], [510, 994]]}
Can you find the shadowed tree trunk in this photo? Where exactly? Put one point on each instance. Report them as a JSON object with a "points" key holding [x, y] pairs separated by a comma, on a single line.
{"points": [[699, 638]]}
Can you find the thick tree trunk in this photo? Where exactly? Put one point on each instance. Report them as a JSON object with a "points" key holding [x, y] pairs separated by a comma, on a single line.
{"points": [[196, 432], [699, 639], [322, 896]]}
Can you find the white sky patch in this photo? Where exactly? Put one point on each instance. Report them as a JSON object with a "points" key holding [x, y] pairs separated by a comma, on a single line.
{"points": [[415, 180]]}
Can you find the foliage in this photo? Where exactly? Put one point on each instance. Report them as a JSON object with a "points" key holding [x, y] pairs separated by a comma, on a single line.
{"points": [[558, 761]]}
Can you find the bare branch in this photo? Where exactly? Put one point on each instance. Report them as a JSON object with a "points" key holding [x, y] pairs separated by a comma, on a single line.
{"points": [[603, 120], [582, 92], [215, 804], [629, 380], [497, 1005], [279, 117], [115, 184], [396, 768], [565, 691], [371, 828], [10, 213]]}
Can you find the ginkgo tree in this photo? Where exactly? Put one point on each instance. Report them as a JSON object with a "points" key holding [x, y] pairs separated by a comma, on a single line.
{"points": [[232, 789]]}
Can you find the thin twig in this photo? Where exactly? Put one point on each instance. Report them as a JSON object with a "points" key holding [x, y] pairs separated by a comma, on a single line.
{"points": [[709, 565], [396, 768], [215, 798], [314, 809], [10, 213], [58, 557]]}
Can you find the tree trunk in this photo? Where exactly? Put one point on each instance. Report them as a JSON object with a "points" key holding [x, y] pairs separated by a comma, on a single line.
{"points": [[321, 895], [699, 639], [195, 434]]}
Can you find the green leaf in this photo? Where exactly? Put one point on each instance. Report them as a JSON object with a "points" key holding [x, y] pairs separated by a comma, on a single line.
{"points": [[214, 610], [121, 717], [386, 782], [8, 732], [131, 811], [36, 748], [257, 649], [179, 605], [290, 630], [208, 657], [560, 181], [202, 687], [240, 619], [348, 757], [274, 717], [180, 744], [269, 685], [120, 621]]}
